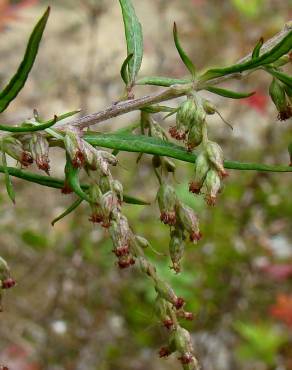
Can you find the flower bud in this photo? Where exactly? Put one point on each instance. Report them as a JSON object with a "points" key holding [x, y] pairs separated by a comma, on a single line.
{"points": [[74, 146], [184, 119], [4, 269], [209, 107], [189, 221], [182, 341], [161, 307], [157, 131], [164, 352], [95, 195], [167, 199], [201, 168], [146, 267], [213, 184], [108, 203], [120, 234], [104, 183], [166, 292], [278, 96], [8, 283], [14, 148], [126, 261], [215, 155], [142, 242], [195, 137], [39, 148], [118, 189], [176, 249]]}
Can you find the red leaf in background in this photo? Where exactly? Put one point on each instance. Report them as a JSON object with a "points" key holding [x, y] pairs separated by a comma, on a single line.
{"points": [[16, 357], [278, 272], [258, 101], [8, 11], [282, 310]]}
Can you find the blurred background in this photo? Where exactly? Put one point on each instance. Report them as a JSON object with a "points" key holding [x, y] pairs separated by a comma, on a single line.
{"points": [[72, 308]]}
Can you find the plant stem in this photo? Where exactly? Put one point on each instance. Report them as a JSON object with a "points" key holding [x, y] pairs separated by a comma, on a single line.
{"points": [[120, 108]]}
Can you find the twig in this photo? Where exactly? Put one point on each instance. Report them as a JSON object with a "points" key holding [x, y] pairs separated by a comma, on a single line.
{"points": [[117, 109]]}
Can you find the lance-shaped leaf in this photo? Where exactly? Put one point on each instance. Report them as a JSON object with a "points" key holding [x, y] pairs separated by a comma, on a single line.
{"points": [[18, 80], [280, 76], [184, 57], [30, 127], [67, 211], [257, 49], [228, 93], [162, 81], [283, 47], [124, 69], [134, 38]]}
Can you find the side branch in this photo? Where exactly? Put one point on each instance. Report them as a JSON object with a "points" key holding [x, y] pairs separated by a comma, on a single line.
{"points": [[120, 108]]}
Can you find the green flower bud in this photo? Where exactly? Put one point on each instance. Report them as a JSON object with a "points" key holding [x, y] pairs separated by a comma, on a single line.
{"points": [[142, 242], [201, 168], [162, 308], [167, 199], [189, 221], [184, 119], [104, 183], [215, 155], [181, 340], [120, 234], [95, 196], [212, 184], [195, 137], [74, 146], [165, 291], [176, 249], [146, 267], [14, 148], [209, 107], [39, 148], [278, 96]]}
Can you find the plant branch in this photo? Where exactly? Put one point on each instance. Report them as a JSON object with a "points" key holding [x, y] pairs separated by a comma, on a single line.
{"points": [[120, 108]]}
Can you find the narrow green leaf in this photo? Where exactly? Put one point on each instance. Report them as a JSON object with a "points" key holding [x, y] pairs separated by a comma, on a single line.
{"points": [[72, 176], [162, 81], [8, 182], [52, 182], [18, 80], [124, 69], [150, 145], [228, 93], [158, 108], [257, 49], [134, 38], [30, 127], [184, 57], [283, 47], [280, 76], [67, 211]]}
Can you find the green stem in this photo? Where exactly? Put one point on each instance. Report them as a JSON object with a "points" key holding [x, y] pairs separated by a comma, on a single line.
{"points": [[150, 145]]}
